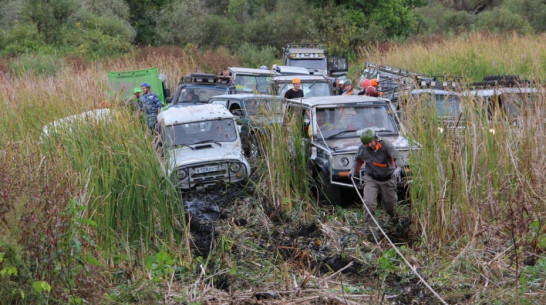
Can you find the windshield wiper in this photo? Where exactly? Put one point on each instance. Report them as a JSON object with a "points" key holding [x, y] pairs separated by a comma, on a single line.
{"points": [[177, 145], [340, 133], [313, 84], [208, 141]]}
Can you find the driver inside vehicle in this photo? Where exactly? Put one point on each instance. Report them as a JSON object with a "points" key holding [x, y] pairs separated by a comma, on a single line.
{"points": [[322, 123], [191, 97]]}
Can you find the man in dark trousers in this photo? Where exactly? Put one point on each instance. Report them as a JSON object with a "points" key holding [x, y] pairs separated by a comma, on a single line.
{"points": [[295, 92], [150, 104], [379, 157]]}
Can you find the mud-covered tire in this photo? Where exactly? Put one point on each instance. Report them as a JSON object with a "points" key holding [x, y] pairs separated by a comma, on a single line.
{"points": [[326, 191]]}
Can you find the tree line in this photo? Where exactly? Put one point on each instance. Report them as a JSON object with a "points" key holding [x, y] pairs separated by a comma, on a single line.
{"points": [[97, 28]]}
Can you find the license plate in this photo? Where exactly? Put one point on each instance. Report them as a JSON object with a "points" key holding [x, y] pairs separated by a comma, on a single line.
{"points": [[207, 169]]}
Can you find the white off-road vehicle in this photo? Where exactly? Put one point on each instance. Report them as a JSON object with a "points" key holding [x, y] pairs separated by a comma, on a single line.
{"points": [[200, 146]]}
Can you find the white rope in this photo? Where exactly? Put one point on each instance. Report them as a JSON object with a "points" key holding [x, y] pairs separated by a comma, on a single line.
{"points": [[396, 248]]}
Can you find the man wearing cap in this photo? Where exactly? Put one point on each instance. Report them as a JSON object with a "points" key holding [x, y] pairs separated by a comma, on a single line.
{"points": [[150, 104], [349, 90], [295, 92], [379, 157]]}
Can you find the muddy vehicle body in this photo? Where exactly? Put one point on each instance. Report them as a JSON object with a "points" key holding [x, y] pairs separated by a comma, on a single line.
{"points": [[198, 88], [508, 94], [252, 112], [313, 58], [332, 126], [200, 146], [249, 80], [312, 85]]}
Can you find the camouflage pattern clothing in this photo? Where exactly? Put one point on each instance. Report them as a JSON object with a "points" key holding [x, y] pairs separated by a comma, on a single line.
{"points": [[150, 104]]}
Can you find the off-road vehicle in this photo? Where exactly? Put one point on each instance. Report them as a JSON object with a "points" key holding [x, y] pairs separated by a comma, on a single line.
{"points": [[199, 146], [248, 80], [198, 88], [313, 58], [312, 85], [332, 126], [252, 113]]}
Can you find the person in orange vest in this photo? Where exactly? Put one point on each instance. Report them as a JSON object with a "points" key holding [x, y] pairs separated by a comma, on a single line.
{"points": [[379, 158], [349, 90], [374, 82]]}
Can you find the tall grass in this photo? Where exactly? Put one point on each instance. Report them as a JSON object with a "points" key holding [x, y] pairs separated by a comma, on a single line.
{"points": [[285, 178], [484, 176], [472, 56]]}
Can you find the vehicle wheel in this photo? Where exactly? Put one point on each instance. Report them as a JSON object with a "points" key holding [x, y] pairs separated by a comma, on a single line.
{"points": [[327, 191]]}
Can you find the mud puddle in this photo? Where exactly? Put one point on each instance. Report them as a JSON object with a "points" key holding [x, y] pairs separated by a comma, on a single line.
{"points": [[203, 209]]}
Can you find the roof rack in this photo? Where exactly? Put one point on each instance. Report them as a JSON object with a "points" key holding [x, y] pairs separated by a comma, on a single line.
{"points": [[304, 46], [204, 78]]}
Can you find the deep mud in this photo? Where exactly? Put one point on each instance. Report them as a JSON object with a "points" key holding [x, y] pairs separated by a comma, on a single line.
{"points": [[203, 209]]}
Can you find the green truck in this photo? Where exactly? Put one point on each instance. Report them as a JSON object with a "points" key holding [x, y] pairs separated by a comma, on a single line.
{"points": [[123, 82]]}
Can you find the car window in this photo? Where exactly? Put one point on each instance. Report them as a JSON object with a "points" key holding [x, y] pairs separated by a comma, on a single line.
{"points": [[198, 94], [221, 130], [345, 121], [252, 83], [255, 106]]}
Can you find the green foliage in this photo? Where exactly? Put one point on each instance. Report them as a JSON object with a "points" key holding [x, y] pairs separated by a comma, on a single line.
{"points": [[253, 56], [39, 64], [16, 281], [183, 22], [21, 38], [501, 19], [534, 11], [89, 28], [441, 19]]}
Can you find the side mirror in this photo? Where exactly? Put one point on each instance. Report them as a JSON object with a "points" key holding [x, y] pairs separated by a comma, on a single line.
{"points": [[167, 93], [168, 100]]}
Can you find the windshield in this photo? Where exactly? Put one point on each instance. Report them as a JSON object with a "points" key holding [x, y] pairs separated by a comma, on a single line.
{"points": [[221, 130], [261, 106], [311, 89], [252, 83], [345, 121], [198, 95], [309, 63], [445, 105]]}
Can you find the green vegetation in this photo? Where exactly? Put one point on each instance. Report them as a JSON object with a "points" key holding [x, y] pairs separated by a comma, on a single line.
{"points": [[86, 215], [94, 29]]}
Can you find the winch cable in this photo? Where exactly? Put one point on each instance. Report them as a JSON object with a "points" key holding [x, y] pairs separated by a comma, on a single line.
{"points": [[396, 248]]}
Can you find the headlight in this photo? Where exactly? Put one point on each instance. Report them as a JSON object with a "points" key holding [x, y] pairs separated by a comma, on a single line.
{"points": [[182, 174], [234, 167], [344, 161]]}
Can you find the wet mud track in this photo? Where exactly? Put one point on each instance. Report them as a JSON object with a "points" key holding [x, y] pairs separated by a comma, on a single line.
{"points": [[203, 209]]}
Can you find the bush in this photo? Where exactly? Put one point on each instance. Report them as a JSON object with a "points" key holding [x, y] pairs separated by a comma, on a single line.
{"points": [[440, 19], [253, 56], [21, 38], [500, 20], [183, 22], [38, 64], [534, 11]]}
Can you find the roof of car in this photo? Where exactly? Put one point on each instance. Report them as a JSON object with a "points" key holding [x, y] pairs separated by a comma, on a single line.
{"points": [[240, 96], [178, 114], [252, 71], [291, 70], [435, 91], [497, 91], [302, 78], [337, 99]]}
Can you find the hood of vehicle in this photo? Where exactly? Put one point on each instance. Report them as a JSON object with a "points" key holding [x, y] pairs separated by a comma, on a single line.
{"points": [[207, 152], [344, 145]]}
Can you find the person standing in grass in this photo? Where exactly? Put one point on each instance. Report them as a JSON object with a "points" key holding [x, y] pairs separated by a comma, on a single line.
{"points": [[295, 92], [150, 104], [379, 157], [133, 101]]}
